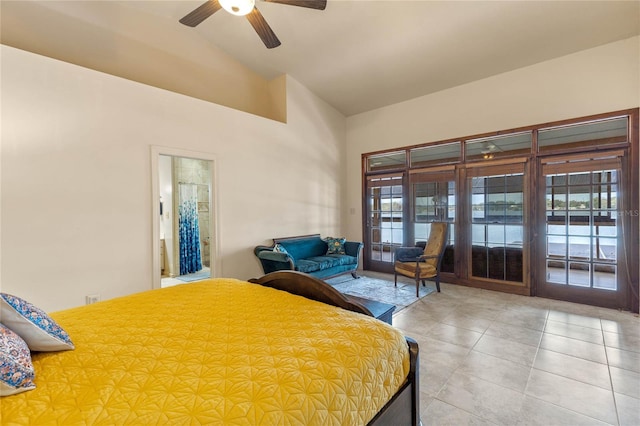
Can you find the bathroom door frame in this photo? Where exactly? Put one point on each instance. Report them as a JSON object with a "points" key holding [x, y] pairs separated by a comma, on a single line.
{"points": [[156, 152]]}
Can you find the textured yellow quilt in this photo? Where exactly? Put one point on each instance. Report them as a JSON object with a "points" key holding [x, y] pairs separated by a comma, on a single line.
{"points": [[220, 351]]}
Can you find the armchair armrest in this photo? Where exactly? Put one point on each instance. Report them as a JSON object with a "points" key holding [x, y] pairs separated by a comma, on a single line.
{"points": [[425, 257], [408, 254]]}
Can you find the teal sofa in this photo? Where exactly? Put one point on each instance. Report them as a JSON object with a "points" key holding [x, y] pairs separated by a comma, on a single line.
{"points": [[308, 254]]}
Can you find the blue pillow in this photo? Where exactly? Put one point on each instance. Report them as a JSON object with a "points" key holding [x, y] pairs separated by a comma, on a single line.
{"points": [[16, 369], [35, 327], [336, 245]]}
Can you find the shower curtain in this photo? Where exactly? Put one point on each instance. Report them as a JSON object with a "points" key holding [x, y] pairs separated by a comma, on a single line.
{"points": [[190, 258]]}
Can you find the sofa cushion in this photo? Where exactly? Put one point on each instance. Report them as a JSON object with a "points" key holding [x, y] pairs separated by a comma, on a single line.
{"points": [[304, 248], [321, 263]]}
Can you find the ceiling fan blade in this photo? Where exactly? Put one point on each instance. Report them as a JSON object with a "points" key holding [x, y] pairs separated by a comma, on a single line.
{"points": [[263, 29], [311, 4], [201, 13]]}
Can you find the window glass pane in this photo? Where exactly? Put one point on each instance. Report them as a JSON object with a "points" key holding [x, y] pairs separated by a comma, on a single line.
{"points": [[579, 274], [598, 133], [556, 272], [495, 235], [513, 235], [556, 223], [579, 198], [435, 155], [604, 249], [387, 161], [579, 248], [477, 235], [498, 146], [604, 276], [556, 247]]}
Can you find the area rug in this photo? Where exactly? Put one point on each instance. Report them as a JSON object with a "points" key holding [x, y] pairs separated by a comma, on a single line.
{"points": [[196, 276], [376, 286]]}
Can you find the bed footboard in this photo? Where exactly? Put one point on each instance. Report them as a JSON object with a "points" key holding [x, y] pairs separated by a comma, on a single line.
{"points": [[404, 407], [312, 288]]}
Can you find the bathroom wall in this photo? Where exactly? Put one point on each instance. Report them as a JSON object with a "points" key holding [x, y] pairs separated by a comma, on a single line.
{"points": [[193, 171]]}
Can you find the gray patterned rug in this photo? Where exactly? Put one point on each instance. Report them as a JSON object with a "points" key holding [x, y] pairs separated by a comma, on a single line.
{"points": [[378, 286]]}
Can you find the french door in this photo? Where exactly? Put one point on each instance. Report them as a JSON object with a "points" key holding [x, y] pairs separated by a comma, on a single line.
{"points": [[384, 227], [433, 199], [497, 216], [583, 257]]}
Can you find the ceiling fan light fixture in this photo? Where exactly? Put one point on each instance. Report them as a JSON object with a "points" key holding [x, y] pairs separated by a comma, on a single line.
{"points": [[238, 7]]}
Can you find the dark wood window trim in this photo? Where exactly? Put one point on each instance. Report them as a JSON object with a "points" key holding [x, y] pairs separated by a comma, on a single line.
{"points": [[630, 210]]}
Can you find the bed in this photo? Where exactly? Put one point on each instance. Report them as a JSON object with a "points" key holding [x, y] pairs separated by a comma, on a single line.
{"points": [[282, 349]]}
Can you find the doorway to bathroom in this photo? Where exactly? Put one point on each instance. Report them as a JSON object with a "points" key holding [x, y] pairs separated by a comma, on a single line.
{"points": [[184, 220]]}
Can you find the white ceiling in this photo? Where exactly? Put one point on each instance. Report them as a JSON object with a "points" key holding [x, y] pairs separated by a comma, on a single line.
{"points": [[360, 55]]}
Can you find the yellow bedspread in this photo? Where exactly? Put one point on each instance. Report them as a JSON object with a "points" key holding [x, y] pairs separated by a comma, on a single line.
{"points": [[220, 351]]}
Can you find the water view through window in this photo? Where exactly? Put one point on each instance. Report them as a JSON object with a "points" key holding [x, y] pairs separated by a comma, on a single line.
{"points": [[581, 225]]}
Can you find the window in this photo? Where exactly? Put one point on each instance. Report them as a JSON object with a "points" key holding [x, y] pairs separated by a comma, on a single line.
{"points": [[549, 210]]}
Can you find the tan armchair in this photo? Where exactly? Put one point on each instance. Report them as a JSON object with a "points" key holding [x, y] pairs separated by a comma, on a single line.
{"points": [[419, 264]]}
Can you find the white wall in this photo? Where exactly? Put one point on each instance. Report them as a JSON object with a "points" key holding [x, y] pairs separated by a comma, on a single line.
{"points": [[76, 181], [599, 80]]}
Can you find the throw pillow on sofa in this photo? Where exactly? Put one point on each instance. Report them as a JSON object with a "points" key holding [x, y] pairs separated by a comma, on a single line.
{"points": [[336, 245]]}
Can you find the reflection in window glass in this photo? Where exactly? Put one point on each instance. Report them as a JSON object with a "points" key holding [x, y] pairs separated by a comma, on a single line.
{"points": [[498, 146], [387, 161], [604, 132], [435, 155], [435, 202], [497, 226]]}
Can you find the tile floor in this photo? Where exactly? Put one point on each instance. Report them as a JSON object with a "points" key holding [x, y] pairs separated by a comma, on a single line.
{"points": [[489, 358]]}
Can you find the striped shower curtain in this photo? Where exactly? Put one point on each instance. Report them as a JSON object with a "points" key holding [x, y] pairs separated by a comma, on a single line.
{"points": [[190, 258]]}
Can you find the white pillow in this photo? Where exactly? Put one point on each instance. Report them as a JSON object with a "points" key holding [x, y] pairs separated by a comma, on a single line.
{"points": [[35, 327], [16, 370]]}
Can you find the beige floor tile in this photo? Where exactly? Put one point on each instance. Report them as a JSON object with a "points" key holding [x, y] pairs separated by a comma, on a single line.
{"points": [[484, 399], [569, 318], [467, 322], [628, 410], [476, 311], [530, 311], [626, 382], [525, 320], [623, 323], [624, 341], [623, 359], [478, 347], [456, 335], [574, 331], [590, 372], [526, 336], [440, 413], [536, 412], [578, 348], [496, 370], [583, 398], [507, 349], [425, 401]]}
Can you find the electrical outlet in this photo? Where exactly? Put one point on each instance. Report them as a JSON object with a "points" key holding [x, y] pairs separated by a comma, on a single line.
{"points": [[93, 298]]}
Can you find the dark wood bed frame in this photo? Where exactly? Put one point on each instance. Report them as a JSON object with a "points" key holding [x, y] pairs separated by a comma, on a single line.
{"points": [[404, 407]]}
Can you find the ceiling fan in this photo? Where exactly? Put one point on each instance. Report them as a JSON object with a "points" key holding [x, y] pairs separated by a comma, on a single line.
{"points": [[247, 8]]}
